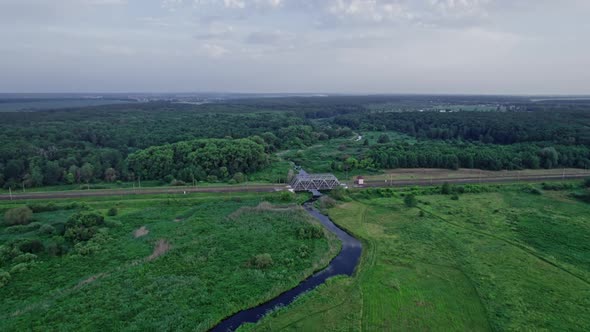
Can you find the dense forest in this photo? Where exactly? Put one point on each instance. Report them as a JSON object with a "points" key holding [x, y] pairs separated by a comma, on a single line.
{"points": [[205, 159], [118, 142], [563, 127]]}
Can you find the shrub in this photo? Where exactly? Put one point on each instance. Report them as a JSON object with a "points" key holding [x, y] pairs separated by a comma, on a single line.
{"points": [[21, 267], [310, 232], [327, 202], [36, 208], [239, 177], [18, 216], [177, 183], [532, 190], [262, 261], [25, 258], [31, 246], [112, 212], [446, 189], [455, 197], [338, 193], [82, 226], [587, 183], [47, 229], [22, 228], [4, 278], [286, 196], [410, 200], [557, 186], [57, 247]]}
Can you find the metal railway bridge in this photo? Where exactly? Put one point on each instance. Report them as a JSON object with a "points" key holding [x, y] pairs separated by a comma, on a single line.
{"points": [[313, 182]]}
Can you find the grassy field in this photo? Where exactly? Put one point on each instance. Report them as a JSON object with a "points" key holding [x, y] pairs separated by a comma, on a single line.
{"points": [[508, 259], [436, 173], [162, 263]]}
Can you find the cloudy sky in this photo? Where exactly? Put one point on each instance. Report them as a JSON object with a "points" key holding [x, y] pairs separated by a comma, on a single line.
{"points": [[347, 46]]}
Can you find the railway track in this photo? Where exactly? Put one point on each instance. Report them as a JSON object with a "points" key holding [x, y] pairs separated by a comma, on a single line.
{"points": [[277, 187]]}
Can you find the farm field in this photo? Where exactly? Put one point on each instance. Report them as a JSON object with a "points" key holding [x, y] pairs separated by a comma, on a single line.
{"points": [[156, 262], [507, 259]]}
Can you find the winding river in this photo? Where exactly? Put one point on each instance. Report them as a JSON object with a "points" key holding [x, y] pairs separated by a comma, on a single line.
{"points": [[343, 264]]}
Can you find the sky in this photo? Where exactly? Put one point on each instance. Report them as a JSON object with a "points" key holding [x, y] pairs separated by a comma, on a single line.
{"points": [[295, 46]]}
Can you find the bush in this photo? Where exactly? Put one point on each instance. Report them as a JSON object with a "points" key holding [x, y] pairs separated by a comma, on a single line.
{"points": [[31, 246], [112, 212], [286, 196], [327, 202], [587, 183], [177, 183], [21, 267], [4, 278], [455, 197], [532, 190], [239, 177], [446, 189], [82, 226], [22, 228], [338, 193], [410, 200], [57, 247], [47, 229], [261, 261], [36, 208], [25, 258], [310, 232], [18, 216]]}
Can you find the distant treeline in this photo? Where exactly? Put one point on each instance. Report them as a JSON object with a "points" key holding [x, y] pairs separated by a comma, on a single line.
{"points": [[92, 144], [483, 156], [561, 127]]}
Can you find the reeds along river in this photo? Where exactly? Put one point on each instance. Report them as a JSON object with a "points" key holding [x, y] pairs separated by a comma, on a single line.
{"points": [[343, 264]]}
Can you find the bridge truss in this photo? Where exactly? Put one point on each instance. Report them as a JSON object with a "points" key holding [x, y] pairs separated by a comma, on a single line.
{"points": [[306, 182]]}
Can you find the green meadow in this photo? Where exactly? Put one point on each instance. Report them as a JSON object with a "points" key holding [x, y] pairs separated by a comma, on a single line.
{"points": [[500, 258], [153, 262]]}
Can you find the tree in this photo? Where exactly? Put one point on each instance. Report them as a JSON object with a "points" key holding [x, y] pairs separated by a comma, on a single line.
{"points": [[410, 200], [110, 174], [366, 142], [36, 176], [52, 173], [239, 177], [384, 138], [262, 261], [86, 172], [18, 216]]}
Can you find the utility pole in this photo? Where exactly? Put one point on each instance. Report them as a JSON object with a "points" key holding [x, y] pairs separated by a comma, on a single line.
{"points": [[139, 179], [563, 176], [10, 191]]}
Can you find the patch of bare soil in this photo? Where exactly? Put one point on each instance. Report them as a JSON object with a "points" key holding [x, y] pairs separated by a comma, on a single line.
{"points": [[162, 247], [178, 220], [142, 231]]}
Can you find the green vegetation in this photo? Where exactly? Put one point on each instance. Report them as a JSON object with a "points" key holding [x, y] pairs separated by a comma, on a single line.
{"points": [[161, 262], [498, 258], [199, 160]]}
